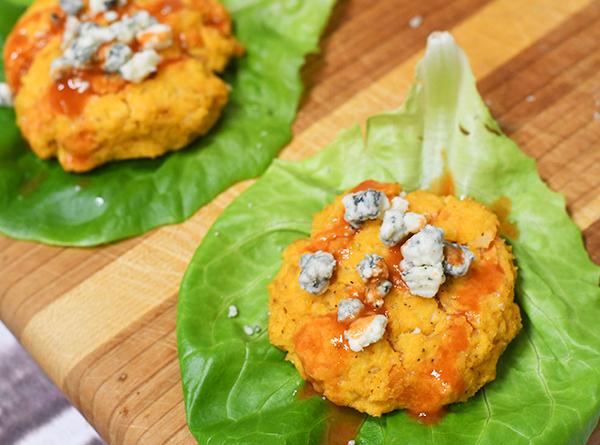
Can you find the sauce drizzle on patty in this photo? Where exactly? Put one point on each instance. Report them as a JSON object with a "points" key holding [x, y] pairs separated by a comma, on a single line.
{"points": [[23, 43]]}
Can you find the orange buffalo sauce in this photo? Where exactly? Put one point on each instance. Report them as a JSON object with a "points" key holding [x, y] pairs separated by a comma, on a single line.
{"points": [[389, 188], [163, 7], [341, 425], [335, 240], [319, 356], [31, 34], [440, 378], [392, 260], [444, 185], [66, 97], [431, 417], [485, 276], [453, 255], [502, 208]]}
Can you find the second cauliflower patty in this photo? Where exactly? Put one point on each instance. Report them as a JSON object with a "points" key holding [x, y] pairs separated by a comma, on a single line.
{"points": [[101, 80], [396, 300]]}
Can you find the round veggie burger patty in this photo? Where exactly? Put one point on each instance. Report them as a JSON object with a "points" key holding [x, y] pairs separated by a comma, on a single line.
{"points": [[396, 300], [99, 80]]}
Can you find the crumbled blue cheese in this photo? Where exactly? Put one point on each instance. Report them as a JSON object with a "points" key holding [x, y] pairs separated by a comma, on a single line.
{"points": [[364, 205], [251, 329], [111, 16], [6, 99], [126, 28], [384, 287], [424, 281], [157, 36], [96, 33], [374, 272], [71, 30], [232, 311], [365, 331], [458, 270], [117, 55], [397, 222], [71, 7], [316, 271], [400, 203], [98, 6], [140, 66], [392, 229], [142, 20], [414, 222], [83, 47], [424, 248], [59, 67], [82, 40], [422, 269], [372, 266], [349, 309], [375, 291]]}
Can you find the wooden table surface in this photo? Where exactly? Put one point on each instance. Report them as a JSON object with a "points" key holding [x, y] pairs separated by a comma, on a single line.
{"points": [[101, 322]]}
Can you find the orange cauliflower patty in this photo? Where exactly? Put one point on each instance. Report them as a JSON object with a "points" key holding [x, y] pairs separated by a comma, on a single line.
{"points": [[148, 88], [376, 346]]}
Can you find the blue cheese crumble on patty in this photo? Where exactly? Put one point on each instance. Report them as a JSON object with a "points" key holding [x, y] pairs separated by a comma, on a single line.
{"points": [[140, 66], [98, 6], [316, 271], [71, 7], [422, 269], [117, 55], [364, 205], [374, 273], [84, 41], [461, 269], [398, 222], [372, 266], [349, 309], [365, 331]]}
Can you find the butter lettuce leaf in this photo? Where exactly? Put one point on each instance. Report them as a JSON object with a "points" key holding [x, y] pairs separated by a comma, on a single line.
{"points": [[41, 202], [239, 389]]}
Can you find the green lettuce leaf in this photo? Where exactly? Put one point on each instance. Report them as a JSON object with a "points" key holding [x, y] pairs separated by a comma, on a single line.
{"points": [[239, 389], [39, 201]]}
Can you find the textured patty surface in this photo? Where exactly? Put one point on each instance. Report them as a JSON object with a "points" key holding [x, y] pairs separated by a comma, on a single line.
{"points": [[114, 119], [434, 351]]}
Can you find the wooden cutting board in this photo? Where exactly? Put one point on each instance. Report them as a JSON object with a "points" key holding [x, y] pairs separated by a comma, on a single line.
{"points": [[101, 322]]}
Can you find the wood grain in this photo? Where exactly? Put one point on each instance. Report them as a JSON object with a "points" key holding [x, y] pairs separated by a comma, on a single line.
{"points": [[101, 322]]}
